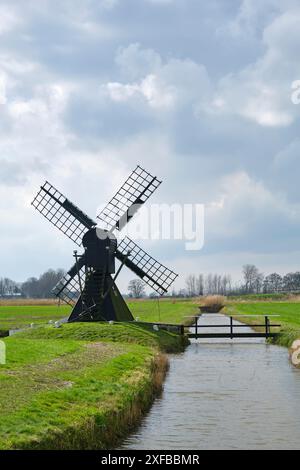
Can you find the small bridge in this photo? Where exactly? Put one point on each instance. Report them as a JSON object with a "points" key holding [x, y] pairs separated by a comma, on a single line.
{"points": [[198, 331]]}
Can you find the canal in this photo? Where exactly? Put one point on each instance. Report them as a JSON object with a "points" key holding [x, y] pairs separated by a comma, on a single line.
{"points": [[223, 394]]}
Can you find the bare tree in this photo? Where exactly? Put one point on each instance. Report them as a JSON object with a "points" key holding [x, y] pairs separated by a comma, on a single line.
{"points": [[48, 280], [30, 288], [291, 281], [209, 284], [8, 287], [42, 287], [258, 285], [253, 278], [225, 284], [272, 283], [2, 287], [191, 285], [136, 288], [200, 284], [215, 282]]}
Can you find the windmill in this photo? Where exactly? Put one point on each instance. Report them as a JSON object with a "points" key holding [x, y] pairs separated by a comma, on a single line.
{"points": [[91, 281]]}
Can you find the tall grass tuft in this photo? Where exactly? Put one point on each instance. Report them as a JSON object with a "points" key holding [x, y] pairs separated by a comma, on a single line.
{"points": [[213, 303]]}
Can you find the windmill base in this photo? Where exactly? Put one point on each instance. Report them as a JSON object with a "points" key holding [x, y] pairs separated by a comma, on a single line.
{"points": [[95, 308]]}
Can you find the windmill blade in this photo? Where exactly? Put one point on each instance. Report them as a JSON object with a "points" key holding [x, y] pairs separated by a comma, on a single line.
{"points": [[62, 213], [155, 274], [68, 288], [126, 202]]}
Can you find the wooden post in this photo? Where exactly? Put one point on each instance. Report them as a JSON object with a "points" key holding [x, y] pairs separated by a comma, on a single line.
{"points": [[231, 327], [196, 328], [267, 326], [182, 330]]}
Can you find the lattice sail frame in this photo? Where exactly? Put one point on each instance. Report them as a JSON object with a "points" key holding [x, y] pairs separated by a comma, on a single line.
{"points": [[62, 213], [134, 192], [68, 288], [155, 274]]}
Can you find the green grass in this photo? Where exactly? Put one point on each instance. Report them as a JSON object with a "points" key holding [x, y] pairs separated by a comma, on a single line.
{"points": [[17, 316], [164, 311], [261, 297], [288, 316], [117, 332], [79, 386], [47, 403]]}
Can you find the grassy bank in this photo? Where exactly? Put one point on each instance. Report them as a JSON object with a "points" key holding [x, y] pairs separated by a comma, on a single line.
{"points": [[81, 386], [104, 332], [288, 316], [16, 315]]}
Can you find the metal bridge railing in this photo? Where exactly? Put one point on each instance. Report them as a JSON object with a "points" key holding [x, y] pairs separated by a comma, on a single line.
{"points": [[267, 325]]}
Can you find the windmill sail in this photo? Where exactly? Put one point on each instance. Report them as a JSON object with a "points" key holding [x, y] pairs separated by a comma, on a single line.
{"points": [[134, 192], [62, 213], [68, 288], [155, 274]]}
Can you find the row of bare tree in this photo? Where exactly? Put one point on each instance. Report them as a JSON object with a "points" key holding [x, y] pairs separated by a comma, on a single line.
{"points": [[40, 287], [254, 282], [196, 285], [210, 284]]}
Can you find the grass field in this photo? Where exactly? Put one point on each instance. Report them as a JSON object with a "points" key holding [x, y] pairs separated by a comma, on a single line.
{"points": [[164, 311], [282, 296], [168, 311], [21, 316], [79, 386]]}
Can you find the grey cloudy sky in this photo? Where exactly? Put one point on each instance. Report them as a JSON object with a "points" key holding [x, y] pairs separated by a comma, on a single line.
{"points": [[199, 93]]}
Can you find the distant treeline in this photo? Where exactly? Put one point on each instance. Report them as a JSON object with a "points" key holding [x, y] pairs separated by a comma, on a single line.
{"points": [[35, 288], [253, 282]]}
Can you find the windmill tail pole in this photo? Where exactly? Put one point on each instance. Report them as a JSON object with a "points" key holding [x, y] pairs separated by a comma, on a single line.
{"points": [[79, 281], [78, 272], [116, 276]]}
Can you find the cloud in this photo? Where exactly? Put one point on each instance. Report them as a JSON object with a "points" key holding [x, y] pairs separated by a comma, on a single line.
{"points": [[175, 82], [154, 92], [2, 89], [261, 91], [246, 205], [252, 97], [160, 2], [9, 19], [250, 18], [32, 135], [109, 3], [196, 92], [134, 61], [284, 171]]}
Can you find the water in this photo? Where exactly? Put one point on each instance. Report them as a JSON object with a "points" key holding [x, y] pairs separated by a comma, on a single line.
{"points": [[223, 394]]}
